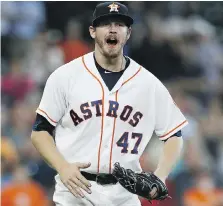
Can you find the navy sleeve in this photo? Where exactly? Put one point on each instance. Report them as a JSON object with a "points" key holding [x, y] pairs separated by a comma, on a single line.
{"points": [[177, 134], [41, 124]]}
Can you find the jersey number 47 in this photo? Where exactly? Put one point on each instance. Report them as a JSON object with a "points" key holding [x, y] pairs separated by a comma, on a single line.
{"points": [[124, 142]]}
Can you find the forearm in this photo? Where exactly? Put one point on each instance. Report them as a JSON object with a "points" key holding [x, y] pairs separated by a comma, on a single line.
{"points": [[45, 145], [171, 153]]}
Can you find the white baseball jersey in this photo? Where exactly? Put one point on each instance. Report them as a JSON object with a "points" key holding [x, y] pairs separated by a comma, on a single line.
{"points": [[100, 126]]}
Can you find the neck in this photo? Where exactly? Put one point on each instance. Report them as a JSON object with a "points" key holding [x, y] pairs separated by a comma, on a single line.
{"points": [[111, 64]]}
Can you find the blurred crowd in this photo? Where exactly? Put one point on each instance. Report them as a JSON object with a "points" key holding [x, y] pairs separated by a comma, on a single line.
{"points": [[179, 42]]}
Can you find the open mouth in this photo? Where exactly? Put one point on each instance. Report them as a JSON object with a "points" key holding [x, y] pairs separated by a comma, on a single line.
{"points": [[111, 41]]}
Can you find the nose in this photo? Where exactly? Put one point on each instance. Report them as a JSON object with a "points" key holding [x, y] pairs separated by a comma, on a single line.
{"points": [[112, 28]]}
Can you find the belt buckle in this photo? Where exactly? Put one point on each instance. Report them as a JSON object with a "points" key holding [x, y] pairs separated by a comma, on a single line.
{"points": [[101, 180]]}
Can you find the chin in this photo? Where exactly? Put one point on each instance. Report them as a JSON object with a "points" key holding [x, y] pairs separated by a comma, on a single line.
{"points": [[112, 53]]}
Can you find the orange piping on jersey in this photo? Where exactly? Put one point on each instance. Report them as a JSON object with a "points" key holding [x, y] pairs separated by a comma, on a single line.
{"points": [[114, 125], [102, 118], [47, 115], [113, 134], [173, 129], [132, 76]]}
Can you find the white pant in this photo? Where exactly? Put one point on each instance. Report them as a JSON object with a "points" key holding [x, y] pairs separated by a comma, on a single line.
{"points": [[102, 195]]}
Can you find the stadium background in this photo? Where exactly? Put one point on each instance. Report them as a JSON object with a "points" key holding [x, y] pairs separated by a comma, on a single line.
{"points": [[180, 42]]}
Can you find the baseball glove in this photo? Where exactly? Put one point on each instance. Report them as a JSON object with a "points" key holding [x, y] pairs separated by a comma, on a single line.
{"points": [[140, 184]]}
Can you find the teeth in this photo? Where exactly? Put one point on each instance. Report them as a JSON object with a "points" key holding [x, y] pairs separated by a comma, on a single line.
{"points": [[112, 38]]}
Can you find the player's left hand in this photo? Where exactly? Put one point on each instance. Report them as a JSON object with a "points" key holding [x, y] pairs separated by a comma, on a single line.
{"points": [[143, 184], [154, 193]]}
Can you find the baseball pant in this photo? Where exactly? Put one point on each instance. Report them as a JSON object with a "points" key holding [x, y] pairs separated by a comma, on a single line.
{"points": [[102, 195]]}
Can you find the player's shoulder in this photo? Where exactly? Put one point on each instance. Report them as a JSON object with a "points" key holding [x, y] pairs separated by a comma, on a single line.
{"points": [[69, 69]]}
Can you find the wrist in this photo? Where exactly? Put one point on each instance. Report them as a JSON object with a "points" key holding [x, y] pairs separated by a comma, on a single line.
{"points": [[60, 166], [160, 176]]}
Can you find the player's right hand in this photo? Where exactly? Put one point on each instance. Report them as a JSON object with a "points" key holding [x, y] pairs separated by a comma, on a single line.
{"points": [[72, 178]]}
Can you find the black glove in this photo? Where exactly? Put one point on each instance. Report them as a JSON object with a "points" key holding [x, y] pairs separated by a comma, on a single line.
{"points": [[140, 184]]}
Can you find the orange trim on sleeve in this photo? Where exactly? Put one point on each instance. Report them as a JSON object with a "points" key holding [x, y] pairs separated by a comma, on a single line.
{"points": [[102, 118], [173, 129], [47, 115], [114, 125]]}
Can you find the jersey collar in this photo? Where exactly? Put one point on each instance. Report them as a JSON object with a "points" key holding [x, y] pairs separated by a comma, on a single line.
{"points": [[128, 74]]}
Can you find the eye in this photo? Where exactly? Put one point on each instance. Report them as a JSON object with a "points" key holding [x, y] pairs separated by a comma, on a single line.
{"points": [[120, 24]]}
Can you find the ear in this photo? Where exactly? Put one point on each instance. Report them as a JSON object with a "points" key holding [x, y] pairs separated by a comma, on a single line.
{"points": [[129, 31], [92, 31]]}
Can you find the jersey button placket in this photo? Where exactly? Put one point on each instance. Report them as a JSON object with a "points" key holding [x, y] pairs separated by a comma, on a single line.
{"points": [[105, 149]]}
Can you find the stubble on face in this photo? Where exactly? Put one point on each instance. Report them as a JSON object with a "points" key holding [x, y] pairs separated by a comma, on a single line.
{"points": [[110, 52]]}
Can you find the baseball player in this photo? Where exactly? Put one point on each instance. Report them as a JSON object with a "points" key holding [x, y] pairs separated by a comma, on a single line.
{"points": [[100, 109]]}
